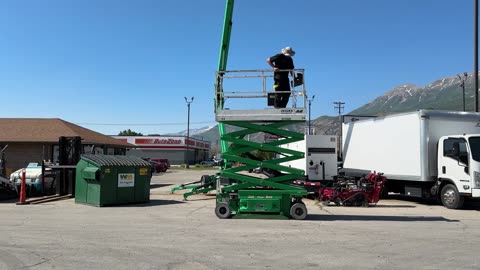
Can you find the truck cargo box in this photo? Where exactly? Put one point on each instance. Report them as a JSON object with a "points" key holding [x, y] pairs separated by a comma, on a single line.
{"points": [[402, 146]]}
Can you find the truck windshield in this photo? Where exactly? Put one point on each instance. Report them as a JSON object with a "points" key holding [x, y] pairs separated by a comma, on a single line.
{"points": [[475, 147]]}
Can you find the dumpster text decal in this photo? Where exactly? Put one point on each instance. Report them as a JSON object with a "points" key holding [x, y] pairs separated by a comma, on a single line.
{"points": [[126, 179]]}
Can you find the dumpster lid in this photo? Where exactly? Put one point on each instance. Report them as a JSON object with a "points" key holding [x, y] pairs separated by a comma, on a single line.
{"points": [[109, 160]]}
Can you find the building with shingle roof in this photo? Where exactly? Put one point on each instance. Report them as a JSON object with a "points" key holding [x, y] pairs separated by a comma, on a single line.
{"points": [[36, 139]]}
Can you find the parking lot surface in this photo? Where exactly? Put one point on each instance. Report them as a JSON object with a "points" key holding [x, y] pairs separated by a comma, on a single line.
{"points": [[169, 233]]}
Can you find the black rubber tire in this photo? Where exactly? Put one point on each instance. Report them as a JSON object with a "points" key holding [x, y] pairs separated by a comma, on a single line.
{"points": [[384, 192], [204, 179], [298, 211], [451, 198], [222, 210]]}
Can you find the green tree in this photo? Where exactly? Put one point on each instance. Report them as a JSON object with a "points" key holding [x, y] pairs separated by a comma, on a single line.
{"points": [[129, 132]]}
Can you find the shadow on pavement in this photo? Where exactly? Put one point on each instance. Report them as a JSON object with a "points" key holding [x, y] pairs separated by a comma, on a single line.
{"points": [[159, 185], [206, 197], [8, 200], [394, 206], [470, 204], [162, 173], [318, 217], [371, 206], [6, 195]]}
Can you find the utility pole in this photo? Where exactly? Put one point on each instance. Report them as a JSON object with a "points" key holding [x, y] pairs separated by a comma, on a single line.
{"points": [[462, 84], [310, 114], [475, 53], [188, 131], [339, 106]]}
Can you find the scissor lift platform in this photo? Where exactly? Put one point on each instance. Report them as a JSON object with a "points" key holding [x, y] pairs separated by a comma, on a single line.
{"points": [[262, 115]]}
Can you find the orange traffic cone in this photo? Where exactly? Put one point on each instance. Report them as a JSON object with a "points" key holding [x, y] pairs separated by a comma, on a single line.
{"points": [[23, 192]]}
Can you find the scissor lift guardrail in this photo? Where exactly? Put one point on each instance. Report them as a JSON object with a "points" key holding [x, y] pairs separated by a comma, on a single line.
{"points": [[298, 98]]}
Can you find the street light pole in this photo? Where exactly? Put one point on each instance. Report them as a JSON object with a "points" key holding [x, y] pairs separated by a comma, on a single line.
{"points": [[309, 113], [340, 106], [475, 56], [188, 131]]}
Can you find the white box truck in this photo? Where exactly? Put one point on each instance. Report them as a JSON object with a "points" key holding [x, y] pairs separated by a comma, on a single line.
{"points": [[424, 153]]}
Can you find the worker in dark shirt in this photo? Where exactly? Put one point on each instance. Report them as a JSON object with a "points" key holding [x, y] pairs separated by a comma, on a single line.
{"points": [[278, 62]]}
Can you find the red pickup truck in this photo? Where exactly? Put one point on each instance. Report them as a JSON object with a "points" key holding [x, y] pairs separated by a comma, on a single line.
{"points": [[159, 164], [162, 160]]}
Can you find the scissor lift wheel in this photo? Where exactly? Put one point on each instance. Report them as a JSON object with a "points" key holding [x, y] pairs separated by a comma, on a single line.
{"points": [[223, 210], [298, 211]]}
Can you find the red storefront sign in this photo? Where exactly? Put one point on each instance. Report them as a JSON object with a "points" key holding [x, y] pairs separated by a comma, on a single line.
{"points": [[157, 141], [169, 143]]}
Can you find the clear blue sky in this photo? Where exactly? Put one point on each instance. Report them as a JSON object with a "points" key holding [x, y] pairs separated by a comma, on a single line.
{"points": [[98, 62]]}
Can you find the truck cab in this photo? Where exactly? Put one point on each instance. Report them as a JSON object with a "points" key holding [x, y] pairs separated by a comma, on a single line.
{"points": [[458, 169]]}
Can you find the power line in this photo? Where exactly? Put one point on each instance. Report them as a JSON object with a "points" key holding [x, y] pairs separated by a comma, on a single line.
{"points": [[146, 124]]}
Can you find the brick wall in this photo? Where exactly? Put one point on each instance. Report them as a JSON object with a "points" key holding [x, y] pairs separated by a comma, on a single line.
{"points": [[18, 155]]}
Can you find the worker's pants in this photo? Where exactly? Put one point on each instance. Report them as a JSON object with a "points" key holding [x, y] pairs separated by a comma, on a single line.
{"points": [[281, 99]]}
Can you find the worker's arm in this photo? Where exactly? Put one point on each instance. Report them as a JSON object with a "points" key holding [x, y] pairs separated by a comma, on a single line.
{"points": [[270, 63]]}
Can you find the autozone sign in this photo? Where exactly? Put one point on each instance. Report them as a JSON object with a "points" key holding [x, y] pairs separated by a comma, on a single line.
{"points": [[158, 141]]}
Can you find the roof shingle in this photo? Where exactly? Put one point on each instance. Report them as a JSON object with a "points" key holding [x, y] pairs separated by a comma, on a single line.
{"points": [[49, 130]]}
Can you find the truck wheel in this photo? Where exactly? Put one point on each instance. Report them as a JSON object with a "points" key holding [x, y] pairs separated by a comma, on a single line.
{"points": [[298, 211], [223, 210], [451, 198]]}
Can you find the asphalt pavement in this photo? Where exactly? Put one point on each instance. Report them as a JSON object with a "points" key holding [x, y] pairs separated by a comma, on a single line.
{"points": [[169, 233]]}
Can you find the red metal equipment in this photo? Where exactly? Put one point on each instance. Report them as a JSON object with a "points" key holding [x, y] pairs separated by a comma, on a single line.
{"points": [[352, 192]]}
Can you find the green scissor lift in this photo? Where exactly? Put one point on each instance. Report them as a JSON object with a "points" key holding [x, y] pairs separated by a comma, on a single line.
{"points": [[242, 194], [239, 193]]}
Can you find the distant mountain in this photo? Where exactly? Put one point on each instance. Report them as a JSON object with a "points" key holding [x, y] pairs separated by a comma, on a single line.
{"points": [[442, 94], [194, 132]]}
